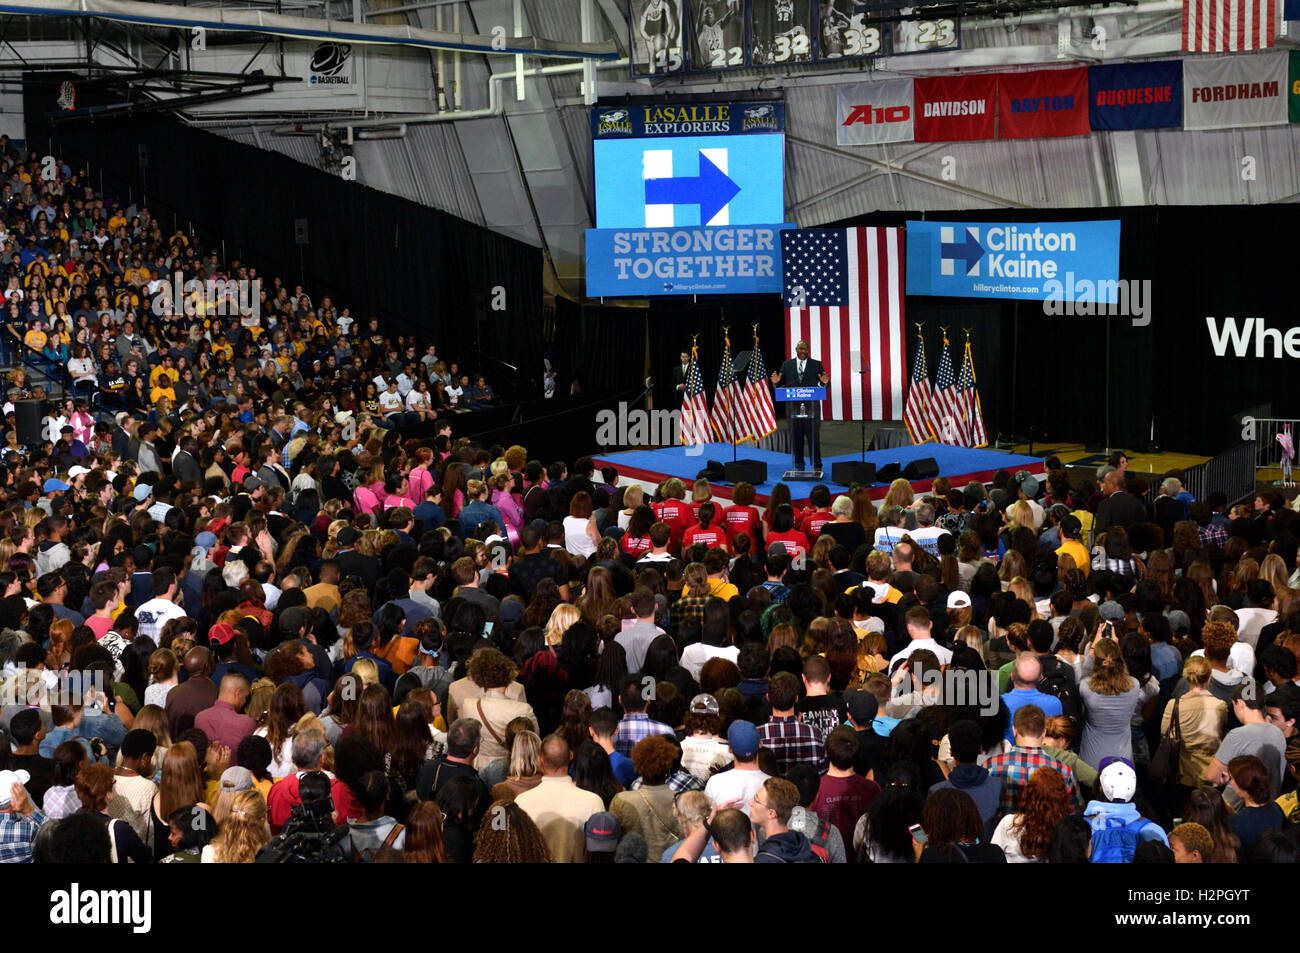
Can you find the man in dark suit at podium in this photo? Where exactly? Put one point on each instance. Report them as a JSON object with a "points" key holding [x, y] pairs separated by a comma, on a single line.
{"points": [[804, 371]]}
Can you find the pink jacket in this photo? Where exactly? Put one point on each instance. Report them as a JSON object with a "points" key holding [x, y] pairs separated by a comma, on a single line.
{"points": [[511, 512]]}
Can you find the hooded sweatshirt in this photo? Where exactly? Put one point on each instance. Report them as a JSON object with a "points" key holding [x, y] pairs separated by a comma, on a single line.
{"points": [[788, 847], [1097, 813], [980, 785]]}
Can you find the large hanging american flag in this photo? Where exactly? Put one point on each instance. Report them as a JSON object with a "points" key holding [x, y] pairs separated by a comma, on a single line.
{"points": [[758, 395], [726, 419], [1229, 26], [968, 398], [946, 411], [695, 408], [920, 396], [844, 296]]}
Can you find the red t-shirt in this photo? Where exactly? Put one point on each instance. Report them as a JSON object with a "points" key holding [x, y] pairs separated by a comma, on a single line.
{"points": [[813, 521], [796, 543], [715, 535], [635, 547], [841, 801], [677, 514], [742, 519]]}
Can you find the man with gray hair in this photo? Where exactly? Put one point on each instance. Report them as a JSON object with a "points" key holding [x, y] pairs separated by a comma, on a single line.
{"points": [[458, 762], [926, 533], [1169, 507], [308, 753]]}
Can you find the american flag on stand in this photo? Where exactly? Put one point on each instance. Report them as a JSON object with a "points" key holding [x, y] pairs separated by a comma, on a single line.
{"points": [[728, 423], [945, 410], [1229, 26], [844, 295], [920, 397], [695, 408], [968, 398], [758, 395]]}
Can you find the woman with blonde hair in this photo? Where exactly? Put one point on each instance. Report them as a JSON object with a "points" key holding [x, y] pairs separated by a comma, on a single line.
{"points": [[970, 636], [633, 496], [1201, 719], [525, 771], [163, 676], [562, 616], [873, 656], [1012, 565], [60, 652], [242, 833], [900, 494], [1273, 569], [1020, 588], [782, 635]]}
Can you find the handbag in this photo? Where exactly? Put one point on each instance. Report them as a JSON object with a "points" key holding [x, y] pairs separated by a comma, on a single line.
{"points": [[1167, 761]]}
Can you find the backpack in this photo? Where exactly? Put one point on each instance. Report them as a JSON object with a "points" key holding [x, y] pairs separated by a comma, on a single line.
{"points": [[1059, 683], [820, 839], [1116, 843], [368, 855]]}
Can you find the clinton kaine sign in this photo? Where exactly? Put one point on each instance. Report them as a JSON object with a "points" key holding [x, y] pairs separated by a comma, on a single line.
{"points": [[1136, 95]]}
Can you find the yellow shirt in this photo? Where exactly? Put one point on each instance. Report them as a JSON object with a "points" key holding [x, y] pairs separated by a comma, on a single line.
{"points": [[159, 393], [158, 371], [722, 589], [35, 339], [1074, 549]]}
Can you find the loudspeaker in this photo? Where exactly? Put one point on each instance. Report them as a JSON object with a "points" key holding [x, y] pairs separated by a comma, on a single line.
{"points": [[27, 421], [712, 471], [925, 468], [848, 472], [300, 231], [889, 472], [748, 471]]}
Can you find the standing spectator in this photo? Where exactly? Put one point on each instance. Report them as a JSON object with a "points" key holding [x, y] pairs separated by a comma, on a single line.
{"points": [[557, 806]]}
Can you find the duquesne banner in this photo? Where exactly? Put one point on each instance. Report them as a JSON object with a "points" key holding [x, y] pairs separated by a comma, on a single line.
{"points": [[955, 108], [1043, 103], [1136, 95], [871, 113], [1228, 92]]}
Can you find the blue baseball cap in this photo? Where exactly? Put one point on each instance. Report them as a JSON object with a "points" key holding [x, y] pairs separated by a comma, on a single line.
{"points": [[742, 736]]}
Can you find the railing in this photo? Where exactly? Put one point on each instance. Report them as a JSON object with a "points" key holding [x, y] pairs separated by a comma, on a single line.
{"points": [[1268, 453]]}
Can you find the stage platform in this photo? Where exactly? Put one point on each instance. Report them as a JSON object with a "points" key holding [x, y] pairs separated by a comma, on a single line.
{"points": [[960, 465]]}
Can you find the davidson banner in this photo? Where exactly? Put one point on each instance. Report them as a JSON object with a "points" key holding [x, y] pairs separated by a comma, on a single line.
{"points": [[955, 108], [1228, 92]]}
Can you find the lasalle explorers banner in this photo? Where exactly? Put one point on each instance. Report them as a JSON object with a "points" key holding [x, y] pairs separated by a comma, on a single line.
{"points": [[1043, 103], [1136, 95], [871, 113], [1227, 92]]}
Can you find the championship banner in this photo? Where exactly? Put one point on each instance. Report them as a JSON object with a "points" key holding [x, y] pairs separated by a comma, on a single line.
{"points": [[1136, 95], [872, 113], [1293, 100], [955, 108], [1043, 103], [1228, 92]]}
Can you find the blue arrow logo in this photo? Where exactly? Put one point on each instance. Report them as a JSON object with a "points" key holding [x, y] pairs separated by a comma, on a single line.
{"points": [[711, 190], [969, 251]]}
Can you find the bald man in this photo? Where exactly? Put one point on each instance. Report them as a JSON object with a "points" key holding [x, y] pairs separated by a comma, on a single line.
{"points": [[558, 806], [805, 419], [197, 693], [1026, 672]]}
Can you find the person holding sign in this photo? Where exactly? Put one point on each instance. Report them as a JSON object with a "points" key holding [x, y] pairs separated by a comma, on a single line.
{"points": [[805, 419]]}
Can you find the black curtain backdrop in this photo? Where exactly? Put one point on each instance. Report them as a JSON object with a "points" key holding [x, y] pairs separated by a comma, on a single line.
{"points": [[419, 270]]}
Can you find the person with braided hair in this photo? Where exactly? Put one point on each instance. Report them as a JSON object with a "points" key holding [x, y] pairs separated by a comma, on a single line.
{"points": [[507, 835]]}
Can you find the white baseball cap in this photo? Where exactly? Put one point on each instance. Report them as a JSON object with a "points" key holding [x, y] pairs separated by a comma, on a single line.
{"points": [[1118, 779], [7, 780]]}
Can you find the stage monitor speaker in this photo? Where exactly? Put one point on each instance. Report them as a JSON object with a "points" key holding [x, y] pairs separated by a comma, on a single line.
{"points": [[926, 468], [748, 471], [27, 421], [889, 472], [848, 472]]}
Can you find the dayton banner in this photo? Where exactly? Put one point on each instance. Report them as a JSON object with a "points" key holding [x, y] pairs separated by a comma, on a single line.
{"points": [[724, 259], [871, 113], [1136, 95], [1227, 92], [1011, 260], [1042, 103], [955, 108]]}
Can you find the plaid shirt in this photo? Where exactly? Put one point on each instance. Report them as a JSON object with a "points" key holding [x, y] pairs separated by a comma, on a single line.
{"points": [[1015, 768], [691, 606], [779, 590], [1213, 533], [679, 782], [793, 742], [17, 834], [635, 726]]}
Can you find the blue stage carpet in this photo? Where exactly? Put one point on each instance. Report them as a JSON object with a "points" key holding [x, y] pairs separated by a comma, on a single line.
{"points": [[960, 465]]}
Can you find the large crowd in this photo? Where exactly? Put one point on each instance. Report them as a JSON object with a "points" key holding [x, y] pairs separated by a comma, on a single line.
{"points": [[245, 616]]}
